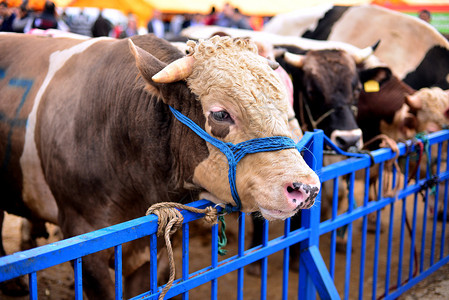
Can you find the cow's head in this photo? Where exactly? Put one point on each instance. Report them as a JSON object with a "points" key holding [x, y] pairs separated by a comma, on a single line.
{"points": [[432, 106], [382, 105], [240, 98], [327, 88]]}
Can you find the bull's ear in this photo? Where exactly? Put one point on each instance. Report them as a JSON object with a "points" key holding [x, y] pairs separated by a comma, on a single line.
{"points": [[147, 64], [379, 74], [175, 71], [169, 88]]}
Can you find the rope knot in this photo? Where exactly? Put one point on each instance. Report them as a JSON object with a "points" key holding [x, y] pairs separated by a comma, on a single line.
{"points": [[210, 215], [169, 221], [169, 218]]}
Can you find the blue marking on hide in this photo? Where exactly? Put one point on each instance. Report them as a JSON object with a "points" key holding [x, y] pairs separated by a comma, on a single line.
{"points": [[15, 122], [12, 122], [23, 83]]}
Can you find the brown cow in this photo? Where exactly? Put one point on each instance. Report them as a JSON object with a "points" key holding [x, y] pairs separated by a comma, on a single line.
{"points": [[385, 111], [89, 139]]}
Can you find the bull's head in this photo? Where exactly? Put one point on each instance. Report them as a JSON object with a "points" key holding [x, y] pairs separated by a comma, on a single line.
{"points": [[241, 99]]}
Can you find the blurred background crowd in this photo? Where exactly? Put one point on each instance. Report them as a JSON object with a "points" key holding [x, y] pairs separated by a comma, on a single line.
{"points": [[137, 18], [94, 22]]}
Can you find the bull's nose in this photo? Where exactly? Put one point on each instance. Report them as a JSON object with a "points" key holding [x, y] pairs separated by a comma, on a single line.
{"points": [[346, 142], [301, 195], [346, 139]]}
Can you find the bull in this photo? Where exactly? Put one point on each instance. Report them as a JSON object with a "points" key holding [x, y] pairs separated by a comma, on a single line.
{"points": [[90, 140]]}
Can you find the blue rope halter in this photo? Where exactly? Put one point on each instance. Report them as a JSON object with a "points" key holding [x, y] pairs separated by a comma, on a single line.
{"points": [[234, 153]]}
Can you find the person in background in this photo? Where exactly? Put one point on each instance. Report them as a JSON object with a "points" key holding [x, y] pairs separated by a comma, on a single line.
{"points": [[22, 18], [81, 24], [212, 17], [156, 24], [176, 25], [67, 19], [425, 15], [131, 27], [224, 18], [256, 22], [117, 30], [240, 21], [197, 19], [7, 17], [187, 21], [45, 20], [101, 26]]}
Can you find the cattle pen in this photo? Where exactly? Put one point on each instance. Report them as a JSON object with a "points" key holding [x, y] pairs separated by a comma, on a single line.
{"points": [[364, 250]]}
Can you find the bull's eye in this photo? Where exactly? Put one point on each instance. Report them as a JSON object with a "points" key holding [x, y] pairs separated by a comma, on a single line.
{"points": [[221, 116]]}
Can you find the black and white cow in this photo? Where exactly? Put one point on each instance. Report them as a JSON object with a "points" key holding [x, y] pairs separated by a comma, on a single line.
{"points": [[414, 50]]}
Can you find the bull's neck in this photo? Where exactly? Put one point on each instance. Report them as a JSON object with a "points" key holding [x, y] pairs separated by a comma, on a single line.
{"points": [[188, 149], [153, 153]]}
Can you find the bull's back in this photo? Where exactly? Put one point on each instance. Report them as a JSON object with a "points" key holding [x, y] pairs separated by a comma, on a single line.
{"points": [[57, 97], [24, 64]]}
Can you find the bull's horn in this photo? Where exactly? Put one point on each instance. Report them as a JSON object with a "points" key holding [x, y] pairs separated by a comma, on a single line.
{"points": [[296, 60], [375, 45], [274, 65], [414, 101], [279, 52], [175, 71], [363, 54]]}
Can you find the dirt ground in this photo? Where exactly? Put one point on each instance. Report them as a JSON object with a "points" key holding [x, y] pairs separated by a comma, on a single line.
{"points": [[57, 282]]}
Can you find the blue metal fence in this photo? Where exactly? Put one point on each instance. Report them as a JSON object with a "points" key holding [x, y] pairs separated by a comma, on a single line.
{"points": [[405, 245]]}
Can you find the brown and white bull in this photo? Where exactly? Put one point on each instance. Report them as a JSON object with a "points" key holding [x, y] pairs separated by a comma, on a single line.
{"points": [[88, 139]]}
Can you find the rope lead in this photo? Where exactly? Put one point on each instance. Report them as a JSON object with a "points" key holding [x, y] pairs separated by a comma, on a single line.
{"points": [[169, 221]]}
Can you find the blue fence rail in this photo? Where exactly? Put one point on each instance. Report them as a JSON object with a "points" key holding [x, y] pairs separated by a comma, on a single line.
{"points": [[405, 245]]}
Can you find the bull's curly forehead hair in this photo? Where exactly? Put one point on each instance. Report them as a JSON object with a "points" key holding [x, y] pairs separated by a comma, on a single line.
{"points": [[211, 46], [230, 70], [233, 66]]}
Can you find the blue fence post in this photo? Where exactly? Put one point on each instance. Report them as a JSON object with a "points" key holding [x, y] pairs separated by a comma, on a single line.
{"points": [[311, 218], [313, 274]]}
